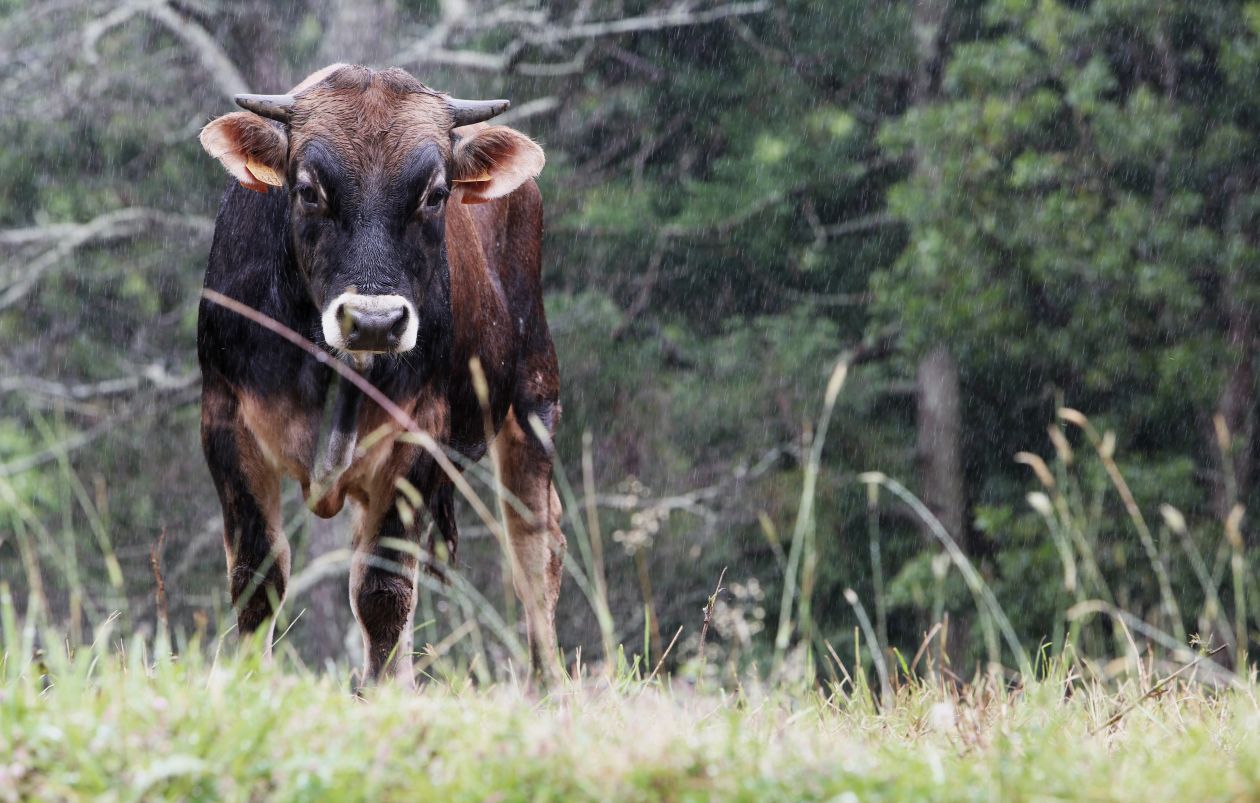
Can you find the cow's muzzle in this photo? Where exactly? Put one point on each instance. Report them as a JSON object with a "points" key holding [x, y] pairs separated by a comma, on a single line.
{"points": [[372, 324]]}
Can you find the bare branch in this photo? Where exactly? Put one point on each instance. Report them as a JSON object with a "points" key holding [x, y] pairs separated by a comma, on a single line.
{"points": [[708, 612], [119, 222], [212, 57], [555, 69], [532, 108], [650, 277], [66, 238], [472, 59], [861, 224], [155, 374], [454, 10], [723, 227], [433, 49], [139, 407], [704, 503], [159, 596], [674, 18], [94, 30]]}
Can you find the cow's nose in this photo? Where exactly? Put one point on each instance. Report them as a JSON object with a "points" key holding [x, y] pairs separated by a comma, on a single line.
{"points": [[372, 328], [359, 323]]}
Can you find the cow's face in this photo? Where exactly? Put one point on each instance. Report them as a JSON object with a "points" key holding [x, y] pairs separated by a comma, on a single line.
{"points": [[370, 165]]}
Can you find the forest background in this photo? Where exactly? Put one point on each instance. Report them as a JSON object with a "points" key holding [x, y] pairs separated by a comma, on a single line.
{"points": [[992, 212]]}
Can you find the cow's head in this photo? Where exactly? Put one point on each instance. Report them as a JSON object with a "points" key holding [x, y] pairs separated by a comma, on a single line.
{"points": [[370, 161]]}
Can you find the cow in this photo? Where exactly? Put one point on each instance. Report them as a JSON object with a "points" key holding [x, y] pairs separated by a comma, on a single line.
{"points": [[400, 234]]}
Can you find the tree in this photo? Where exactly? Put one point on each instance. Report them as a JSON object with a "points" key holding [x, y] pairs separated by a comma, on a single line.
{"points": [[1081, 232]]}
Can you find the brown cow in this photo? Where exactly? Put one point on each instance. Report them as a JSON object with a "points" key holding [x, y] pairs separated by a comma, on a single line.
{"points": [[372, 215]]}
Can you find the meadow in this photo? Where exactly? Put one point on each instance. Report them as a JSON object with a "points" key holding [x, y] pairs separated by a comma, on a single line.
{"points": [[126, 719], [1115, 707]]}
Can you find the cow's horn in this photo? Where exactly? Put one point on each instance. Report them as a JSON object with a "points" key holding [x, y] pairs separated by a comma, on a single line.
{"points": [[274, 107], [468, 112]]}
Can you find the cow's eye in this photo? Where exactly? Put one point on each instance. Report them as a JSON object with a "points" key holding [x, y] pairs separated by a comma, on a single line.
{"points": [[436, 197], [308, 195]]}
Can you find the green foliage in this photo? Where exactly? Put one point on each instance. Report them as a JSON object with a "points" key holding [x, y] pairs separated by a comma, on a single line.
{"points": [[1082, 219], [731, 206]]}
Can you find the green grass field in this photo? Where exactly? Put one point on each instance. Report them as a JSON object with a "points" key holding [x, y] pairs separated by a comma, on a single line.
{"points": [[117, 715], [116, 723]]}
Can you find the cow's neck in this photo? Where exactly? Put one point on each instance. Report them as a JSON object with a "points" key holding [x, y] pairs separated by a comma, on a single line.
{"points": [[343, 434]]}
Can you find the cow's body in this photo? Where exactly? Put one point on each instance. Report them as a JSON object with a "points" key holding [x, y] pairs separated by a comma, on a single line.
{"points": [[264, 400]]}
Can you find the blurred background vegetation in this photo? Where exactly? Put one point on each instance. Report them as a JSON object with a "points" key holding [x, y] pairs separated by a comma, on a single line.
{"points": [[989, 210]]}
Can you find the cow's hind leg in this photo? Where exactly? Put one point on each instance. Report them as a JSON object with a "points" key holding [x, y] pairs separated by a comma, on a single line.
{"points": [[383, 589], [249, 492], [536, 538]]}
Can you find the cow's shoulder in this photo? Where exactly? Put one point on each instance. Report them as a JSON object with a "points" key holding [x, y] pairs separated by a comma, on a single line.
{"points": [[250, 262], [249, 251]]}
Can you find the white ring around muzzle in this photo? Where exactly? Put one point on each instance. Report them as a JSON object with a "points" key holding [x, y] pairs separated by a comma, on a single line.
{"points": [[334, 334]]}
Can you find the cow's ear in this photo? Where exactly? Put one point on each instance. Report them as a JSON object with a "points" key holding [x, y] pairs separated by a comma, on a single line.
{"points": [[492, 161], [252, 149]]}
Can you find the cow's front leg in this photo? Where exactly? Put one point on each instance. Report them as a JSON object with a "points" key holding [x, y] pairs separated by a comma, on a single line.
{"points": [[249, 492], [383, 592]]}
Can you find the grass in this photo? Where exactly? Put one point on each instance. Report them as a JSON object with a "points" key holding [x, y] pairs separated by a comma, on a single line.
{"points": [[1116, 705], [116, 723]]}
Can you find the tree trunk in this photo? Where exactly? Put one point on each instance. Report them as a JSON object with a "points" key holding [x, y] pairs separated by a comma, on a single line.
{"points": [[1234, 424], [358, 32], [328, 614], [927, 23], [939, 447], [939, 407], [940, 441], [257, 27]]}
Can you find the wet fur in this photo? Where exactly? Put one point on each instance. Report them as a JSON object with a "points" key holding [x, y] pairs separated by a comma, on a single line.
{"points": [[263, 398]]}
